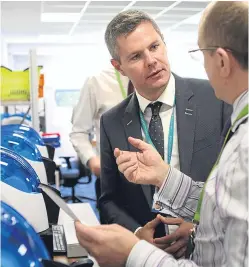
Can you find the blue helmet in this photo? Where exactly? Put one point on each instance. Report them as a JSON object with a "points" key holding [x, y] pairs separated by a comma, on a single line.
{"points": [[21, 245], [17, 172], [26, 131], [21, 145]]}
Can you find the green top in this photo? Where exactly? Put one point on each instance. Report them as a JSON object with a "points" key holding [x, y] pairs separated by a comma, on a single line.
{"points": [[123, 91]]}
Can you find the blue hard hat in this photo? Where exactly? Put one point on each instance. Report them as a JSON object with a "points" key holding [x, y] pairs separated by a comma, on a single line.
{"points": [[21, 145], [20, 244], [26, 131], [17, 172]]}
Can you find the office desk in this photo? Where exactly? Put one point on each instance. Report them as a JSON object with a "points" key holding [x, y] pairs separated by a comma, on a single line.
{"points": [[64, 259]]}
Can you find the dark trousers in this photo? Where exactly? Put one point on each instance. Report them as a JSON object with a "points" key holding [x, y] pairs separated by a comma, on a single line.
{"points": [[97, 190], [98, 193]]}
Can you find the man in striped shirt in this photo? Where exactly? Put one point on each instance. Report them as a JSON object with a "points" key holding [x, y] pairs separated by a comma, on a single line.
{"points": [[220, 207]]}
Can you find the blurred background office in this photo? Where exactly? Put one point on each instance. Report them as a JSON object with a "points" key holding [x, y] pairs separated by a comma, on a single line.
{"points": [[68, 37]]}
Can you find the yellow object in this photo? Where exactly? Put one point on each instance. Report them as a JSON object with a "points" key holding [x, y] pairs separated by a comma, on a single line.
{"points": [[41, 85], [15, 84]]}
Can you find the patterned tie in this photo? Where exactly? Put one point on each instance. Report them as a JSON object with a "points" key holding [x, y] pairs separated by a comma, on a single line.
{"points": [[157, 137], [156, 128]]}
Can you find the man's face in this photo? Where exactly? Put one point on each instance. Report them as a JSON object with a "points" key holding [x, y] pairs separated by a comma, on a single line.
{"points": [[143, 59]]}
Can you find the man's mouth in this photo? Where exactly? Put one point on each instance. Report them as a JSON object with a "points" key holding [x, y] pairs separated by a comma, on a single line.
{"points": [[154, 73]]}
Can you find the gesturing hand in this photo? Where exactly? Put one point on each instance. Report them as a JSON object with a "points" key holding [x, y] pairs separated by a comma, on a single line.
{"points": [[144, 167]]}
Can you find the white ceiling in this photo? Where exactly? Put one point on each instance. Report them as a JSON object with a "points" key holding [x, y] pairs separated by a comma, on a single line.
{"points": [[86, 20]]}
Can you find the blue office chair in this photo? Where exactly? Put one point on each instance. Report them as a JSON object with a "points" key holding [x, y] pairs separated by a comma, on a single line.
{"points": [[71, 174]]}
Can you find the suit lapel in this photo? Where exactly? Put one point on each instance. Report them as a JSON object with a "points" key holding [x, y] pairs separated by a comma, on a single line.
{"points": [[186, 121], [132, 126]]}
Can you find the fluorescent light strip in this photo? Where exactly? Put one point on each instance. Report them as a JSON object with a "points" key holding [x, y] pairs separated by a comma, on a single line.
{"points": [[60, 17]]}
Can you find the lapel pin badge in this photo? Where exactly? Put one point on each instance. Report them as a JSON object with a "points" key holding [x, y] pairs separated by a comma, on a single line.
{"points": [[188, 111], [129, 122]]}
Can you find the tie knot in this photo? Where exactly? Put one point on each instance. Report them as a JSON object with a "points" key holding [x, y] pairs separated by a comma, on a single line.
{"points": [[155, 107]]}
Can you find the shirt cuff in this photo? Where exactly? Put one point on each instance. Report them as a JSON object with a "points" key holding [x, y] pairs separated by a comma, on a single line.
{"points": [[137, 230], [173, 191], [144, 254], [86, 157]]}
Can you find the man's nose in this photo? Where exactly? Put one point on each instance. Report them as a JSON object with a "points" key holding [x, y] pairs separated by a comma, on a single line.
{"points": [[150, 59]]}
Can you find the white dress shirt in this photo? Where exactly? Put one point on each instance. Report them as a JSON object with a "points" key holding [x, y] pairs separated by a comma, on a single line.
{"points": [[167, 98], [222, 235], [99, 94]]}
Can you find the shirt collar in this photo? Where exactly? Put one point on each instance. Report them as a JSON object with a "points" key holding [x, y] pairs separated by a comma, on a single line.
{"points": [[238, 105], [167, 97]]}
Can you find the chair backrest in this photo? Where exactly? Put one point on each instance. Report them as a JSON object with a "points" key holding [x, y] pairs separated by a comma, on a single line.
{"points": [[74, 169]]}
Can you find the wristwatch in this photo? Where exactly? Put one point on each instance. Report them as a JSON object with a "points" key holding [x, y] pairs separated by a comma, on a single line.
{"points": [[191, 242]]}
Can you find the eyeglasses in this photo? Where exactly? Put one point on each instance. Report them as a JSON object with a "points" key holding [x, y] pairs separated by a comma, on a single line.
{"points": [[197, 54]]}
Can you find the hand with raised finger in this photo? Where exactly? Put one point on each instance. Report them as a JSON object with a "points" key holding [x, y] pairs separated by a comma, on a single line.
{"points": [[144, 167], [178, 240]]}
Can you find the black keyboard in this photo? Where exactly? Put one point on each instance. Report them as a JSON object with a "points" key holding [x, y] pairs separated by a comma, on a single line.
{"points": [[59, 242]]}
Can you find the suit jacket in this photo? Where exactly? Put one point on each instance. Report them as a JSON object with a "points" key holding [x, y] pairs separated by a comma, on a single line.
{"points": [[129, 204]]}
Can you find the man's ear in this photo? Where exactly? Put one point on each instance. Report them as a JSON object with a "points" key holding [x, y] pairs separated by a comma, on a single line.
{"points": [[116, 64], [224, 62]]}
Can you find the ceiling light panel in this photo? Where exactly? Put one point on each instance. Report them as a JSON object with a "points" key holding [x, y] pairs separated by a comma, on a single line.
{"points": [[59, 17], [187, 28], [55, 28], [33, 6], [109, 3], [194, 4], [152, 4]]}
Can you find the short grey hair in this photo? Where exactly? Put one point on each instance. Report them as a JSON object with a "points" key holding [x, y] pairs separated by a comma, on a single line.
{"points": [[123, 24]]}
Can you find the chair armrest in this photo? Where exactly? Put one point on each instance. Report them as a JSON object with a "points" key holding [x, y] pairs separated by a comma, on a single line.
{"points": [[67, 159]]}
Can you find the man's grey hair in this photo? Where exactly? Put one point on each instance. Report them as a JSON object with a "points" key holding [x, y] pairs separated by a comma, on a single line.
{"points": [[122, 25]]}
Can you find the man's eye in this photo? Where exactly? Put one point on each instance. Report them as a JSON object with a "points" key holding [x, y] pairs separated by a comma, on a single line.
{"points": [[136, 57], [154, 47]]}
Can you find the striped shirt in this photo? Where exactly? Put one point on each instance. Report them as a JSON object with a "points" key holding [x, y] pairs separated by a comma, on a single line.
{"points": [[222, 235]]}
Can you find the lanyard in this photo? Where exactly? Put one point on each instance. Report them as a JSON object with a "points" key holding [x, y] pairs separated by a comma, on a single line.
{"points": [[242, 114], [123, 92], [170, 135]]}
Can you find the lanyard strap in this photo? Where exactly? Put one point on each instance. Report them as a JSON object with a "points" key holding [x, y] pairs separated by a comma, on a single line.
{"points": [[123, 92], [170, 135], [197, 215]]}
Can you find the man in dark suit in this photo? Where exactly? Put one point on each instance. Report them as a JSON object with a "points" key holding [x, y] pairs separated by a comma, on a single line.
{"points": [[181, 117]]}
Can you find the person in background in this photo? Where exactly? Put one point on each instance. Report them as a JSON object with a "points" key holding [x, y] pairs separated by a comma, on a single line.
{"points": [[220, 233], [99, 93]]}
